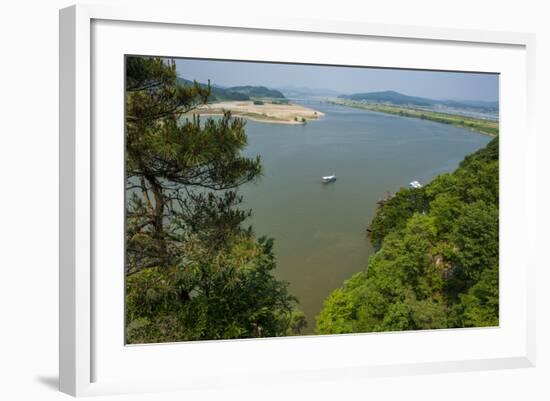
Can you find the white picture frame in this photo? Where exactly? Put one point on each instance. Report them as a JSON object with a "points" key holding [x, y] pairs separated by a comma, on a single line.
{"points": [[92, 363]]}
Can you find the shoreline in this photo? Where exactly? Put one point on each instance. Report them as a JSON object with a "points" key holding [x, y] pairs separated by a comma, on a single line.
{"points": [[481, 126], [289, 114]]}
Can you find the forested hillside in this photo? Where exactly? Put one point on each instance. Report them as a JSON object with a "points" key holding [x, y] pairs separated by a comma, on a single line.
{"points": [[436, 264], [218, 94], [396, 98]]}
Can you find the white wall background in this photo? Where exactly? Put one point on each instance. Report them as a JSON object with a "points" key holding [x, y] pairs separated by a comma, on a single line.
{"points": [[29, 197]]}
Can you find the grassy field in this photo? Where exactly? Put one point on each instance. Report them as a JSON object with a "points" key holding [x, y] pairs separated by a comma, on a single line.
{"points": [[487, 127]]}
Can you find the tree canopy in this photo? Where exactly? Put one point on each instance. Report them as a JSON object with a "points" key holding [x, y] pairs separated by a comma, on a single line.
{"points": [[193, 269], [436, 264]]}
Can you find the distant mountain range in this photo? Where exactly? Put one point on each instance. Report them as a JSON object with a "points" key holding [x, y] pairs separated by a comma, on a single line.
{"points": [[247, 92], [257, 91], [401, 99], [299, 91]]}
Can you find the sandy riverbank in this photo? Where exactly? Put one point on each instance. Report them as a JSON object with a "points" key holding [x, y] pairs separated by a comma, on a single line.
{"points": [[267, 112]]}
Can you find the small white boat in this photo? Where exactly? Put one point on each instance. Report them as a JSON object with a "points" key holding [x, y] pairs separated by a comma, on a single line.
{"points": [[415, 184], [329, 178]]}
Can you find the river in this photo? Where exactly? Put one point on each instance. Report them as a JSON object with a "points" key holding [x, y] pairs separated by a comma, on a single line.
{"points": [[319, 229]]}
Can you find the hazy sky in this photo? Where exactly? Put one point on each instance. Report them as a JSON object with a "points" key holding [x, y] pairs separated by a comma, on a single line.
{"points": [[436, 85]]}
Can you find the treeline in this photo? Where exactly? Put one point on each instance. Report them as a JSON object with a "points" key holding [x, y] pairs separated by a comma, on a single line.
{"points": [[194, 271], [436, 259], [483, 126]]}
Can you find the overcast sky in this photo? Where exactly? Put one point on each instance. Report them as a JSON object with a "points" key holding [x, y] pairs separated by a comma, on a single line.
{"points": [[432, 84]]}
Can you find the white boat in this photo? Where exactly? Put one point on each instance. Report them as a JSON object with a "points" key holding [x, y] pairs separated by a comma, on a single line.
{"points": [[329, 178], [415, 184]]}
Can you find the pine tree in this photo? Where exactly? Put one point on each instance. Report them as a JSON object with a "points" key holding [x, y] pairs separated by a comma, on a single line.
{"points": [[190, 262]]}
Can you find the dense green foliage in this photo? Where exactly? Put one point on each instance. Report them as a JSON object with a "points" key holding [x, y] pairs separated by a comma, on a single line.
{"points": [[436, 264], [233, 295], [193, 271]]}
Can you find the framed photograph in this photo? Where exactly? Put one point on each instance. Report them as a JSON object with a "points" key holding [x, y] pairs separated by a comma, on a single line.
{"points": [[284, 200]]}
